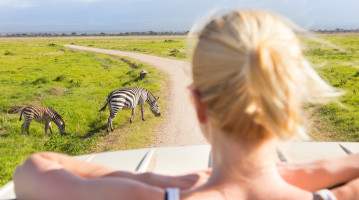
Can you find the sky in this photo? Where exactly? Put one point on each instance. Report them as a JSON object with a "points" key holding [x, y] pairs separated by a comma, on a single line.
{"points": [[27, 16]]}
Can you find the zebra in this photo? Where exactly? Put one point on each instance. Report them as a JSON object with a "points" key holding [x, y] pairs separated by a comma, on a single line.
{"points": [[41, 114], [129, 98]]}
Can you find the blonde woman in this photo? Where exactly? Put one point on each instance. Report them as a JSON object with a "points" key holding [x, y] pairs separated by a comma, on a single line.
{"points": [[249, 82]]}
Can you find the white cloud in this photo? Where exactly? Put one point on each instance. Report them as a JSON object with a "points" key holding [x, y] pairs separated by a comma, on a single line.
{"points": [[28, 3], [31, 3], [17, 3]]}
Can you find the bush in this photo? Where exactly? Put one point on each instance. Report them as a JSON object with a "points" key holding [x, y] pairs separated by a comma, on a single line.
{"points": [[60, 78], [41, 80], [8, 53], [177, 53], [75, 83]]}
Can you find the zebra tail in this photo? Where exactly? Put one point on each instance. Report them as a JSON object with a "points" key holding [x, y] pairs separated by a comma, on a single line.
{"points": [[103, 108], [21, 114]]}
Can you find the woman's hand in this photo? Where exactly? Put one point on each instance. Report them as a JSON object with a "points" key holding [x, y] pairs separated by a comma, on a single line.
{"points": [[196, 179], [321, 174], [347, 191], [187, 181]]}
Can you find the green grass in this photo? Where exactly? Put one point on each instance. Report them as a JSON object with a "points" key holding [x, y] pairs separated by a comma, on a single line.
{"points": [[76, 85], [337, 62]]}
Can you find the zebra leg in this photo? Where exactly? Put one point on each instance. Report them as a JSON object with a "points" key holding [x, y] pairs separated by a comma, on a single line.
{"points": [[143, 118], [113, 112], [27, 128], [109, 124], [26, 124], [50, 127], [46, 126], [22, 127], [133, 112], [109, 121]]}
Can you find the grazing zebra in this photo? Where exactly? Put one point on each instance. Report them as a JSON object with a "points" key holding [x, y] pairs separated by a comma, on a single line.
{"points": [[41, 114], [129, 98]]}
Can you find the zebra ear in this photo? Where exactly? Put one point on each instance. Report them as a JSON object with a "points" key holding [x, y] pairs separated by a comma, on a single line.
{"points": [[157, 99], [65, 121]]}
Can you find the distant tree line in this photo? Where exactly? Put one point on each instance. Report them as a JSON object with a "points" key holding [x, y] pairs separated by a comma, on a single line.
{"points": [[337, 30], [93, 34]]}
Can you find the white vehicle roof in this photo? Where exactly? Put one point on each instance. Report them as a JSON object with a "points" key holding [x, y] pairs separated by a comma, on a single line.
{"points": [[184, 159]]}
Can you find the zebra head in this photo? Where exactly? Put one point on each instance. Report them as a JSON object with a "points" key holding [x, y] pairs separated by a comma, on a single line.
{"points": [[155, 108], [61, 128]]}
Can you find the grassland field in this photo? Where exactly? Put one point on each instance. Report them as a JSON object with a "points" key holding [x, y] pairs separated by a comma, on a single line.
{"points": [[41, 71]]}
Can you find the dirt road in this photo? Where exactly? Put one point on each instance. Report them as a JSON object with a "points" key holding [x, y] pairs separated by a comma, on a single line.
{"points": [[180, 126]]}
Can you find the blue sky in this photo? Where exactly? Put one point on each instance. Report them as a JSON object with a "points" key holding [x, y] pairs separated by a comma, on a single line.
{"points": [[160, 15]]}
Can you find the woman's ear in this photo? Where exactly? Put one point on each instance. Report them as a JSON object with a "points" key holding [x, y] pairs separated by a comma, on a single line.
{"points": [[201, 107]]}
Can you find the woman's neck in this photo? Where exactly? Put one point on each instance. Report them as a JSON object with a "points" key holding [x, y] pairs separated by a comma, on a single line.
{"points": [[241, 161]]}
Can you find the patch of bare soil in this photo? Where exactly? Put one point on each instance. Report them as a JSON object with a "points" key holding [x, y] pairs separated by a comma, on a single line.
{"points": [[38, 97], [73, 51], [51, 53], [57, 91]]}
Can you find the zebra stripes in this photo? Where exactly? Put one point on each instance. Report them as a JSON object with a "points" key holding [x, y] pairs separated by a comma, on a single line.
{"points": [[129, 98], [41, 114]]}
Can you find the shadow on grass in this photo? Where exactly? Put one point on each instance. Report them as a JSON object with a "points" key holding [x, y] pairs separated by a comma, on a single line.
{"points": [[4, 135], [95, 127], [133, 80]]}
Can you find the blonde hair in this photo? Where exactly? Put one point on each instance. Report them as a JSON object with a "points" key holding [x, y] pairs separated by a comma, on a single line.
{"points": [[249, 68]]}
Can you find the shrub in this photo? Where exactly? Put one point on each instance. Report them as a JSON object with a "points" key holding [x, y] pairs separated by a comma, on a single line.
{"points": [[41, 80], [60, 78], [75, 83], [8, 53], [177, 53]]}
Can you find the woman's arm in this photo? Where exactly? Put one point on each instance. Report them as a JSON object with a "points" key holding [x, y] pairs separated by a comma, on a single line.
{"points": [[321, 174], [55, 176], [58, 172]]}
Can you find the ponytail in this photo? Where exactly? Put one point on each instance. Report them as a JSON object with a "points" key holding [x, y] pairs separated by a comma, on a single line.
{"points": [[249, 68]]}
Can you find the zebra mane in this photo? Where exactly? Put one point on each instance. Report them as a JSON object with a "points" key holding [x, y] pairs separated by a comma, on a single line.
{"points": [[57, 114], [151, 94]]}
